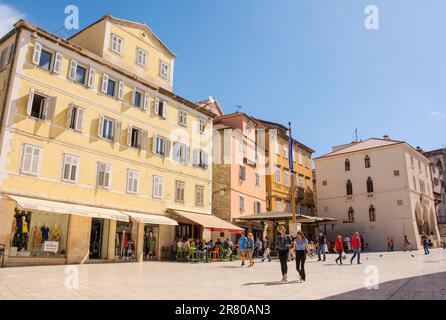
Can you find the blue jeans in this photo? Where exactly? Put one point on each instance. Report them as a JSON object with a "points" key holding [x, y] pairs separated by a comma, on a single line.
{"points": [[320, 249], [356, 253], [426, 248]]}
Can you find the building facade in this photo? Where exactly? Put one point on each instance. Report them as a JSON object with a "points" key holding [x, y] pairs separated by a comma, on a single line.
{"points": [[438, 159], [239, 184], [99, 158], [379, 188]]}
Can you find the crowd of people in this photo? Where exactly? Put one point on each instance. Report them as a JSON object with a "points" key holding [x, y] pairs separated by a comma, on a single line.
{"points": [[203, 250]]}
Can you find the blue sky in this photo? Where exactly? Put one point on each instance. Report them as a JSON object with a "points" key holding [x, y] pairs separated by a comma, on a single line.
{"points": [[311, 62]]}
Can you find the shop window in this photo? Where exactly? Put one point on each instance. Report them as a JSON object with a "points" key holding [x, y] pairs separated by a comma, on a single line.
{"points": [[38, 234], [125, 239], [151, 242]]}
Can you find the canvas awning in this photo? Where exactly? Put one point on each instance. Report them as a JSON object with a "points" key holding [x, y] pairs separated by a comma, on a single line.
{"points": [[208, 221], [68, 208], [150, 218], [280, 215]]}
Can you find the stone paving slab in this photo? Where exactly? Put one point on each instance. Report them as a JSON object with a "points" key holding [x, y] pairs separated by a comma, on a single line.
{"points": [[400, 276]]}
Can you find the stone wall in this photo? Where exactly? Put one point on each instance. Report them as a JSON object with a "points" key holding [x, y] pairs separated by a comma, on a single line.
{"points": [[6, 215], [78, 239], [221, 189]]}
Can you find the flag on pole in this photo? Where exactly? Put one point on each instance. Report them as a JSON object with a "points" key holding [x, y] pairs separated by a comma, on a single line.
{"points": [[291, 154]]}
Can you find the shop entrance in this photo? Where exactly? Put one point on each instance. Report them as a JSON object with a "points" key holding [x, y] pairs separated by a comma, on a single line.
{"points": [[98, 238], [150, 242]]}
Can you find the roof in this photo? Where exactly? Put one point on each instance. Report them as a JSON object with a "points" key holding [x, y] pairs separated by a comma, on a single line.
{"points": [[220, 126], [66, 44], [139, 25], [280, 215], [208, 221], [371, 143], [435, 152], [238, 114], [211, 105]]}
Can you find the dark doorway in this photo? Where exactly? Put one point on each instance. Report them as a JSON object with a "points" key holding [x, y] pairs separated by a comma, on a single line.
{"points": [[97, 226]]}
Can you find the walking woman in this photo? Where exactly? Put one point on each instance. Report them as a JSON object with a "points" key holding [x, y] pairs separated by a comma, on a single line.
{"points": [[301, 247], [250, 249], [339, 247], [283, 245]]}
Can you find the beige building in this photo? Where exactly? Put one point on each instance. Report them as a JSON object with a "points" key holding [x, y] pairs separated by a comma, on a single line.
{"points": [[380, 188]]}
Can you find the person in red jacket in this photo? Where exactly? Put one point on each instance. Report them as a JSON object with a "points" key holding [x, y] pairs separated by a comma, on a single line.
{"points": [[355, 243], [339, 247]]}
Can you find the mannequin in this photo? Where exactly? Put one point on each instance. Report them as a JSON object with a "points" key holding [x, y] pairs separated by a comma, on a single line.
{"points": [[152, 244], [123, 244], [55, 235], [37, 240], [13, 231], [45, 232], [24, 238]]}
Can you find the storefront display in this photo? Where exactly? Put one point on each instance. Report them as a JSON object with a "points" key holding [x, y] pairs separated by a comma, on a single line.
{"points": [[38, 234], [99, 238], [150, 242], [125, 240]]}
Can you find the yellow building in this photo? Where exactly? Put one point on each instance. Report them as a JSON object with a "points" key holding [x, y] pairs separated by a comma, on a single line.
{"points": [[99, 159]]}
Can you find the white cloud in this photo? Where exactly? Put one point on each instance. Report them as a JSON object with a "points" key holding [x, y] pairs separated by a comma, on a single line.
{"points": [[437, 115], [8, 16]]}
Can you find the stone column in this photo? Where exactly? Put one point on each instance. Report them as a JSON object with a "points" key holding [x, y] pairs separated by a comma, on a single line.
{"points": [[140, 242], [7, 207], [111, 240], [166, 238], [78, 246]]}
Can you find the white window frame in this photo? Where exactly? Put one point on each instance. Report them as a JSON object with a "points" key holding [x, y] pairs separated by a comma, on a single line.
{"points": [[285, 152], [300, 158], [103, 118], [115, 39], [132, 175], [182, 117], [199, 195], [157, 187], [181, 152], [287, 178], [242, 204], [164, 66], [201, 125], [33, 159], [47, 109], [68, 158], [277, 175], [141, 53], [79, 121], [166, 146], [180, 187], [163, 103], [107, 170]]}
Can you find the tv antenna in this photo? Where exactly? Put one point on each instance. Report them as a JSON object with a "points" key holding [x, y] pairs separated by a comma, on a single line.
{"points": [[238, 108], [356, 134]]}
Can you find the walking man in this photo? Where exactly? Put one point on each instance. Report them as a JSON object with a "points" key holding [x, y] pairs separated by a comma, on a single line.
{"points": [[267, 250], [407, 244], [425, 243], [242, 247], [321, 241], [356, 247], [283, 245]]}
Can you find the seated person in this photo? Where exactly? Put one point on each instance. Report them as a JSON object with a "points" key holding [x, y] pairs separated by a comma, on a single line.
{"points": [[227, 247]]}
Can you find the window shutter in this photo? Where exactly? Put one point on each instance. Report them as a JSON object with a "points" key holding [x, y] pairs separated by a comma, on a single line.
{"points": [[117, 132], [145, 105], [154, 139], [176, 152], [35, 161], [100, 125], [196, 157], [187, 154], [73, 69], [157, 106], [143, 140], [30, 101], [108, 176], [50, 108], [70, 114], [100, 168], [167, 148], [104, 86], [165, 109], [57, 63], [129, 135], [80, 121], [27, 158], [120, 90], [91, 77], [36, 53]]}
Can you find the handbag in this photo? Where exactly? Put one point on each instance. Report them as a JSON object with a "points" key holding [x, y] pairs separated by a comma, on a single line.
{"points": [[344, 256]]}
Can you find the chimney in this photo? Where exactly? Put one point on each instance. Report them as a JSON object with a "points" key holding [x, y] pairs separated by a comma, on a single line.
{"points": [[386, 137]]}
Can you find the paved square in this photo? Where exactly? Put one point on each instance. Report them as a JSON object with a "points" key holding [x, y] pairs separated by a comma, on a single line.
{"points": [[400, 275]]}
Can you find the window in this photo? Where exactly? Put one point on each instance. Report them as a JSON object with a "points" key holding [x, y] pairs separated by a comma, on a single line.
{"points": [[116, 44], [161, 146], [157, 191], [367, 161], [70, 167], [5, 56], [45, 60], [179, 191], [324, 182], [257, 207], [294, 156], [180, 153], [422, 186], [277, 147], [76, 118], [347, 165], [141, 57], [104, 175], [106, 128], [301, 181], [164, 70], [40, 106], [257, 180], [351, 215], [111, 87], [242, 173], [307, 184], [396, 173], [307, 162], [287, 206], [182, 117], [285, 152], [372, 213], [202, 125], [31, 159], [132, 181], [277, 175], [399, 202], [369, 185], [200, 159], [160, 108], [242, 204], [80, 76], [136, 138], [287, 178], [137, 99], [349, 188], [279, 204], [199, 196], [299, 155]]}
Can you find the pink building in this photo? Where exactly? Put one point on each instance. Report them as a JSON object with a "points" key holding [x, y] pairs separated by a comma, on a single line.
{"points": [[239, 184]]}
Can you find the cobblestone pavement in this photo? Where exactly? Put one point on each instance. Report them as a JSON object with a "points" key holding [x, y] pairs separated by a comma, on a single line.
{"points": [[400, 276]]}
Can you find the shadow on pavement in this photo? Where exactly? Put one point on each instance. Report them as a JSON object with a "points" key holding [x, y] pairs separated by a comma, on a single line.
{"points": [[425, 287], [273, 283]]}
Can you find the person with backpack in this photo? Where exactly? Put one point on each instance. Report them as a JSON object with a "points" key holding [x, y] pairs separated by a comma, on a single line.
{"points": [[283, 245], [339, 247]]}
